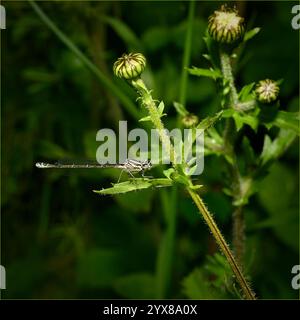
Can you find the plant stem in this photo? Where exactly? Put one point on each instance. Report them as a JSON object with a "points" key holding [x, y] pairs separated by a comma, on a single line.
{"points": [[228, 76], [105, 81], [239, 234], [187, 53], [149, 103], [229, 140], [222, 244]]}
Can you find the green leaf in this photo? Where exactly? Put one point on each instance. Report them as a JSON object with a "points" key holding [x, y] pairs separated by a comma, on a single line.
{"points": [[135, 185], [147, 118], [209, 121], [136, 286], [241, 119], [281, 204], [250, 34], [212, 281], [274, 149], [246, 93], [161, 108], [200, 72], [287, 120], [181, 110], [228, 113], [169, 172]]}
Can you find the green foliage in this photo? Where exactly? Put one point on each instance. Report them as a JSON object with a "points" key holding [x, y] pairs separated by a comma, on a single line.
{"points": [[212, 281], [282, 207], [285, 120], [250, 34], [135, 185], [274, 149], [210, 73], [144, 241], [209, 121]]}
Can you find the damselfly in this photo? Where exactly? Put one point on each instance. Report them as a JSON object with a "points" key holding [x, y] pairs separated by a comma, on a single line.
{"points": [[130, 166]]}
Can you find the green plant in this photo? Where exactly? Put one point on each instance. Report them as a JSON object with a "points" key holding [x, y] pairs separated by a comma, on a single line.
{"points": [[239, 110]]}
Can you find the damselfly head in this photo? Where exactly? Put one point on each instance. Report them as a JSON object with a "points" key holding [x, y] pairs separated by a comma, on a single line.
{"points": [[146, 164]]}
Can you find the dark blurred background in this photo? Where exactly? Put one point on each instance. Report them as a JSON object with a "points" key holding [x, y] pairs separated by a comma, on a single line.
{"points": [[61, 240]]}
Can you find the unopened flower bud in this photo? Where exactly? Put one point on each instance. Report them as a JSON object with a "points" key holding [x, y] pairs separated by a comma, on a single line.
{"points": [[267, 91], [190, 120], [129, 66], [225, 25]]}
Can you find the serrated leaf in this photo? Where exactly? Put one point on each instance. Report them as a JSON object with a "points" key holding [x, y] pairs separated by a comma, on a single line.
{"points": [[181, 110], [250, 34], [135, 185], [200, 72], [241, 119], [274, 149], [287, 120], [212, 281], [209, 121]]}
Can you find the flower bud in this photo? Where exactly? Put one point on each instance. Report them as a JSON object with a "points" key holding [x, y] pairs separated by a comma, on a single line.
{"points": [[267, 91], [129, 66], [225, 25], [190, 120]]}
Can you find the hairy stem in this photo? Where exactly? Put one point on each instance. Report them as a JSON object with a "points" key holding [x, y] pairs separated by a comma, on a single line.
{"points": [[149, 103], [222, 244], [229, 140], [228, 76], [239, 234]]}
